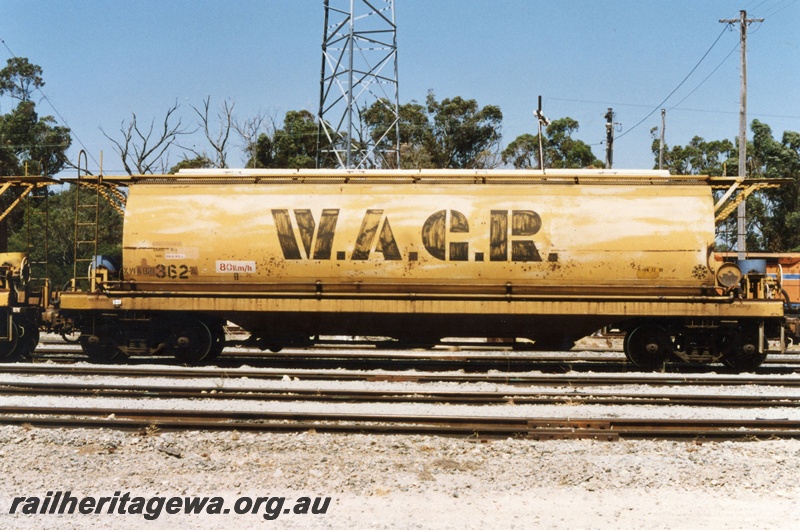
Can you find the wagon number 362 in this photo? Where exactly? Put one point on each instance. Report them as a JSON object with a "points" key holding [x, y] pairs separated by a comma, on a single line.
{"points": [[175, 272]]}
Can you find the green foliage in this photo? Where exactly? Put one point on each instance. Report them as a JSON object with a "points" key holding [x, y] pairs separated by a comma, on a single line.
{"points": [[522, 152], [566, 152], [198, 162], [462, 135], [777, 222], [28, 143], [561, 150], [20, 78], [57, 212], [700, 157], [379, 117], [262, 155], [773, 216], [378, 121], [452, 133], [294, 146]]}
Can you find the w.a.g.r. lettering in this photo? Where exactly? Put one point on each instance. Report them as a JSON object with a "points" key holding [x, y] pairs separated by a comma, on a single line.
{"points": [[445, 235]]}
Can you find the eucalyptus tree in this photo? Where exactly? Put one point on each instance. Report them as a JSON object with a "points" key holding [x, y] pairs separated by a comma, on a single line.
{"points": [[451, 133], [28, 142], [559, 147]]}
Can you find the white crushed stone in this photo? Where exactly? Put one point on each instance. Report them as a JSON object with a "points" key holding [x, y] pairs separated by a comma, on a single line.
{"points": [[229, 380], [410, 481]]}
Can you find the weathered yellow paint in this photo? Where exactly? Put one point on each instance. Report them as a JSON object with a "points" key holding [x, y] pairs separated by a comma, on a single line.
{"points": [[600, 238], [612, 309], [419, 255]]}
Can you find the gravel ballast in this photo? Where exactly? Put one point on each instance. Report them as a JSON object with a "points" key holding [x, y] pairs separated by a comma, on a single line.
{"points": [[402, 481], [406, 481]]}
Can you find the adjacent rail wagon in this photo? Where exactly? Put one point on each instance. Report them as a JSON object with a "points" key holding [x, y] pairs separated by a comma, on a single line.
{"points": [[548, 257], [782, 267], [24, 283]]}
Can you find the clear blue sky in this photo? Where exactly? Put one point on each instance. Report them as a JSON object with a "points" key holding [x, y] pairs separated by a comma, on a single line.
{"points": [[104, 59]]}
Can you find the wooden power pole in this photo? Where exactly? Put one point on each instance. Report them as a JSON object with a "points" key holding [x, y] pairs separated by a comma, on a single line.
{"points": [[741, 225], [661, 139], [609, 138]]}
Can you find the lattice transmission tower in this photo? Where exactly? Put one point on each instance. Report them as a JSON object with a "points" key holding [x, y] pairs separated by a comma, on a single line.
{"points": [[359, 70]]}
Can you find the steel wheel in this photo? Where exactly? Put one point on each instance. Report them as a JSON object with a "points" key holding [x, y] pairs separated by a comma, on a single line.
{"points": [[648, 347], [191, 342], [102, 347], [71, 337], [741, 351], [217, 342]]}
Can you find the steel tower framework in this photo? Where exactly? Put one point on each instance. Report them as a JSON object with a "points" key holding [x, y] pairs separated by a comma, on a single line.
{"points": [[359, 68]]}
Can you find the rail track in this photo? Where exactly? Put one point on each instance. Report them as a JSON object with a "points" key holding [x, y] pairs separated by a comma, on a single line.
{"points": [[478, 427], [506, 378], [517, 397], [468, 361], [151, 384]]}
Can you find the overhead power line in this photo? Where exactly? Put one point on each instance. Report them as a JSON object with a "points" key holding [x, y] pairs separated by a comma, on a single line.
{"points": [[687, 109], [677, 87], [707, 77], [780, 6]]}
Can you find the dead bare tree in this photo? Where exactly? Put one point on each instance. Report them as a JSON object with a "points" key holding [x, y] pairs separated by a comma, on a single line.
{"points": [[143, 152], [219, 140]]}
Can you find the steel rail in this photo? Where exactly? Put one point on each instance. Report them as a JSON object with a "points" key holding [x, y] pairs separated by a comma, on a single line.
{"points": [[447, 351], [508, 378], [390, 396], [530, 427]]}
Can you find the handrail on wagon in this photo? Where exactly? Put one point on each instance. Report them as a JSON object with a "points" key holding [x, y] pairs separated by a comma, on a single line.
{"points": [[25, 184], [730, 200], [737, 189], [421, 173], [414, 176]]}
